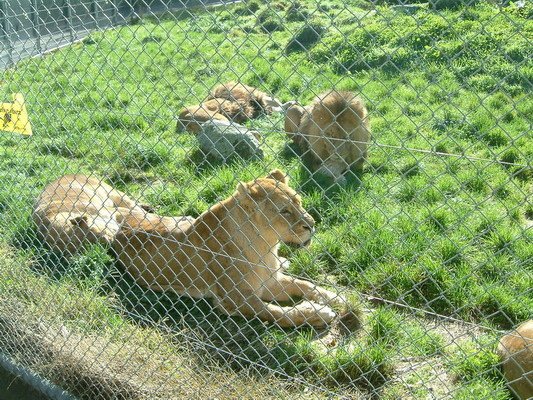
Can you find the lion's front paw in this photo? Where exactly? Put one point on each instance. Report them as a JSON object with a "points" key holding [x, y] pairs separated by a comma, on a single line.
{"points": [[284, 263], [324, 296], [315, 314]]}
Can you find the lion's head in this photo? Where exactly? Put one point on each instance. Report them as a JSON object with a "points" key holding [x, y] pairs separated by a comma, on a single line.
{"points": [[92, 229], [276, 209]]}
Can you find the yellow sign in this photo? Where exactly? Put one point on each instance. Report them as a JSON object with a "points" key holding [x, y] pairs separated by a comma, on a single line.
{"points": [[14, 116]]}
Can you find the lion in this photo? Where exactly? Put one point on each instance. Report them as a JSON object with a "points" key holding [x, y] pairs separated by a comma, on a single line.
{"points": [[76, 209], [516, 352], [230, 255], [259, 101], [333, 131], [229, 102], [216, 109]]}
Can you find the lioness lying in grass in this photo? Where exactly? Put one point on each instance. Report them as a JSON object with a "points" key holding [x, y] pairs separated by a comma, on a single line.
{"points": [[77, 209], [230, 254]]}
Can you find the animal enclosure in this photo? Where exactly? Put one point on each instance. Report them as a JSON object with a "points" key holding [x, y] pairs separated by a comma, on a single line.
{"points": [[303, 199]]}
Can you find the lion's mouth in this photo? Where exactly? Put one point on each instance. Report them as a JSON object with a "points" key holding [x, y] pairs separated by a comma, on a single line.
{"points": [[299, 245]]}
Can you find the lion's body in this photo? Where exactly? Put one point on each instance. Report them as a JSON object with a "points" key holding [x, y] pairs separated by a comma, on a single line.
{"points": [[333, 131], [259, 101], [230, 101], [218, 109], [77, 209], [229, 254], [516, 351]]}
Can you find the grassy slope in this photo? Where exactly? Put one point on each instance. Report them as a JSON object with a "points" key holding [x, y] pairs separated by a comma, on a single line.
{"points": [[440, 233]]}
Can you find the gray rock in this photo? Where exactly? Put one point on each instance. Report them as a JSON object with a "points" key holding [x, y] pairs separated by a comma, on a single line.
{"points": [[222, 141]]}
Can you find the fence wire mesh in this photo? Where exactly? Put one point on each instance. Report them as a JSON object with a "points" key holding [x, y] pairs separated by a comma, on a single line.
{"points": [[304, 199]]}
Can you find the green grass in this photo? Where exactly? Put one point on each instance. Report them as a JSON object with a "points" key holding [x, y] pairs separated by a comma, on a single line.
{"points": [[443, 233], [475, 365], [106, 352]]}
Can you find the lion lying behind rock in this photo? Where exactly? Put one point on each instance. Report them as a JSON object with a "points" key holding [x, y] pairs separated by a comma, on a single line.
{"points": [[229, 102], [77, 209], [230, 254], [333, 131]]}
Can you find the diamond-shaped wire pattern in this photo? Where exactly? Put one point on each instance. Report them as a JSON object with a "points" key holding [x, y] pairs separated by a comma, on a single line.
{"points": [[250, 199]]}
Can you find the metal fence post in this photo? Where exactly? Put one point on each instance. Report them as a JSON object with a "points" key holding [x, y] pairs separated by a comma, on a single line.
{"points": [[94, 11], [114, 12], [35, 24], [5, 25], [68, 18]]}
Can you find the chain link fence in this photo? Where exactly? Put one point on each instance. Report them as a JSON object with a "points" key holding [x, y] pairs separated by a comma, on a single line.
{"points": [[305, 199]]}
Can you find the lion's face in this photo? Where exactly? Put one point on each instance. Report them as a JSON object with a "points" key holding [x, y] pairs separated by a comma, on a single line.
{"points": [[277, 209], [94, 229]]}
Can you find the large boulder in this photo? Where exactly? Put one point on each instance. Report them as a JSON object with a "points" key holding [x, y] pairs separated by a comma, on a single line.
{"points": [[225, 140]]}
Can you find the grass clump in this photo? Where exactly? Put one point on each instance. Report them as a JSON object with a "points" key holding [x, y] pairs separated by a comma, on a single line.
{"points": [[296, 12], [475, 364], [90, 267], [143, 156], [306, 37], [270, 21], [389, 327], [248, 7], [367, 366]]}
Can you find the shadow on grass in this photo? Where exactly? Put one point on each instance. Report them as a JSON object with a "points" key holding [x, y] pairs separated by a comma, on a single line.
{"points": [[204, 163], [255, 346], [314, 182], [90, 266], [44, 261], [238, 342]]}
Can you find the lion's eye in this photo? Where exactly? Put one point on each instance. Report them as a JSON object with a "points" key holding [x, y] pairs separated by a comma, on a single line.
{"points": [[286, 212]]}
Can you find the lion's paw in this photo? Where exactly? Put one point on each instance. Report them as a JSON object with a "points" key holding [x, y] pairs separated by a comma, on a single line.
{"points": [[324, 296], [284, 263], [315, 314]]}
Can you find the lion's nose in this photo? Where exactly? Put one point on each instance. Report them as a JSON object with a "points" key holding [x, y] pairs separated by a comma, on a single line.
{"points": [[309, 222], [311, 229]]}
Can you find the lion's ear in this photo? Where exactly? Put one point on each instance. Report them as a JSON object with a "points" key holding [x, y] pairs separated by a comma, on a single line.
{"points": [[79, 221], [242, 188], [278, 175]]}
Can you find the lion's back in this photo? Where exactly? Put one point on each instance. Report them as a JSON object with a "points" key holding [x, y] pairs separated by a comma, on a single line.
{"points": [[64, 213]]}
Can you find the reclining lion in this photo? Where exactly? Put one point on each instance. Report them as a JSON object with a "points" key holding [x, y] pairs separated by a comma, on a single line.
{"points": [[229, 102], [333, 131], [191, 117], [77, 209], [259, 101], [230, 254]]}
